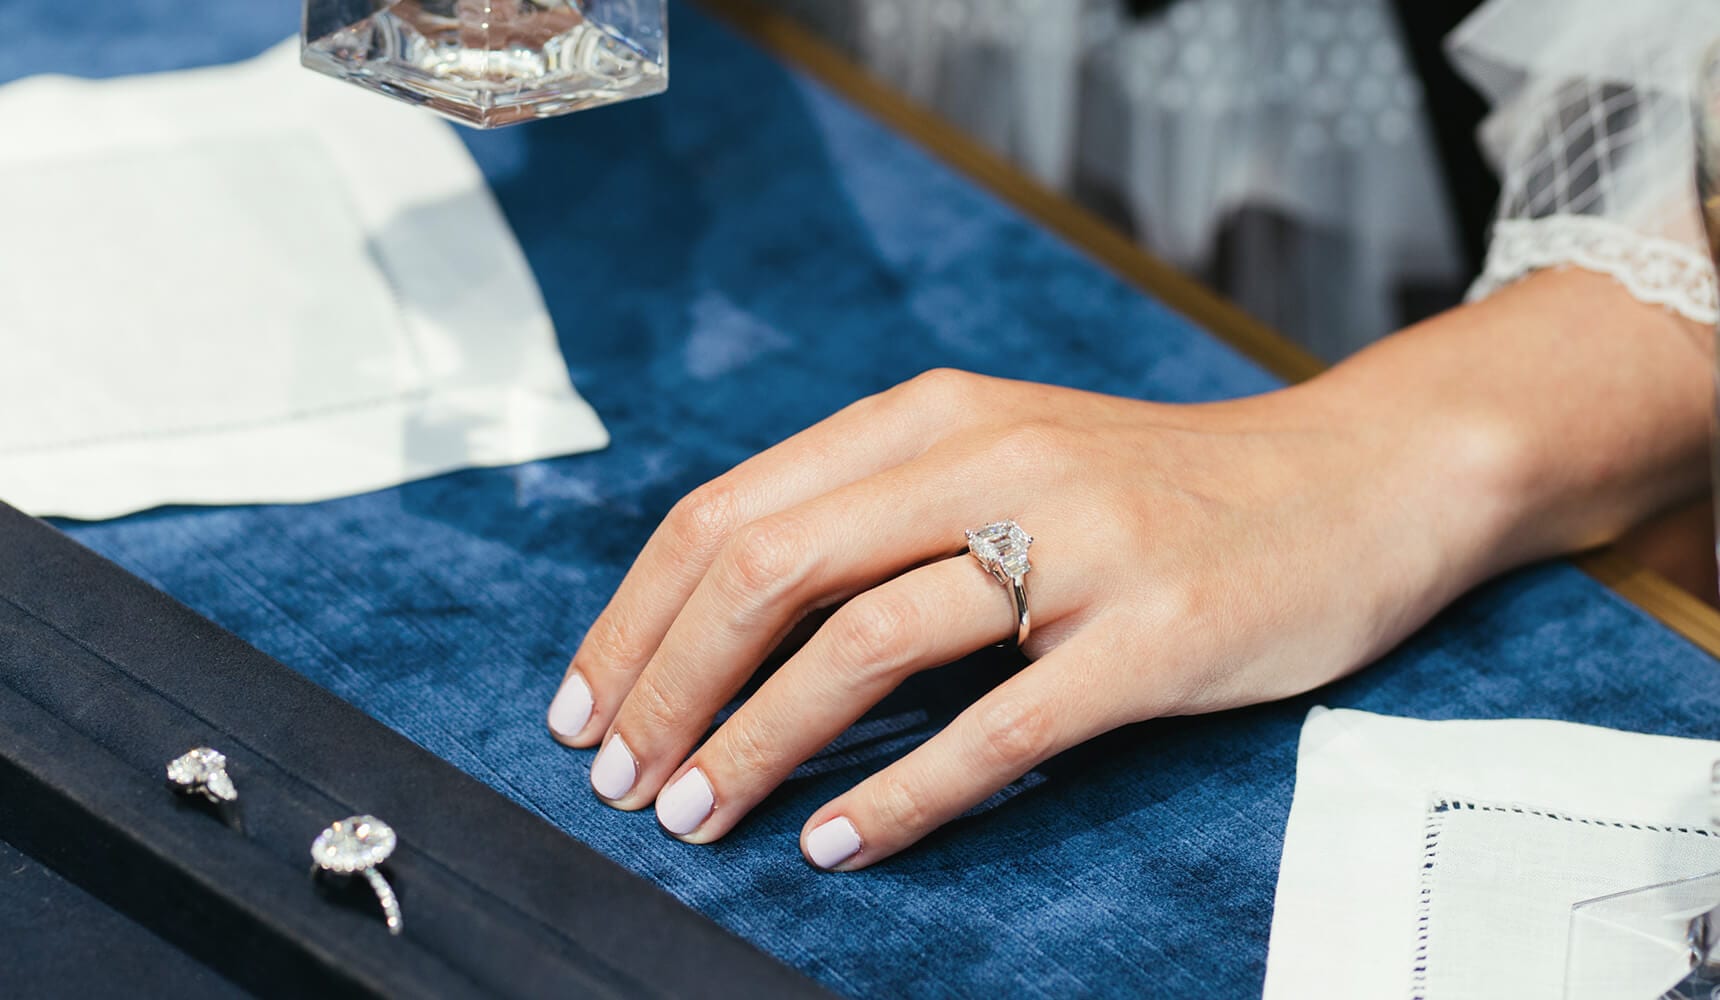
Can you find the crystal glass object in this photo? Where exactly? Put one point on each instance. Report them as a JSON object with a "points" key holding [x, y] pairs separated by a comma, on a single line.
{"points": [[1639, 943], [492, 62]]}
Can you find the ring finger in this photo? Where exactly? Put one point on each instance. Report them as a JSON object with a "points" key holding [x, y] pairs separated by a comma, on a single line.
{"points": [[770, 575], [923, 619], [863, 439]]}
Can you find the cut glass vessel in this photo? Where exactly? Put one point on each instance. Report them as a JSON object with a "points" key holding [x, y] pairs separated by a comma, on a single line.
{"points": [[492, 62]]}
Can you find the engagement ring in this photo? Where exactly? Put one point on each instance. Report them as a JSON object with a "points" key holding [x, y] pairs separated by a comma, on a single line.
{"points": [[203, 771], [1001, 547], [356, 846]]}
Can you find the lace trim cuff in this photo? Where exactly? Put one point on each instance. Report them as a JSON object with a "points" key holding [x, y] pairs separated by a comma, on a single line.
{"points": [[1653, 269]]}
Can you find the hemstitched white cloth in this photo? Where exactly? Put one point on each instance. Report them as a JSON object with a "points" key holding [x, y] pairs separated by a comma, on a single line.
{"points": [[1440, 860], [251, 283]]}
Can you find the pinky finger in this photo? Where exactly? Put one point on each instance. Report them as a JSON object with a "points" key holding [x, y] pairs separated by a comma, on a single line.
{"points": [[1033, 716]]}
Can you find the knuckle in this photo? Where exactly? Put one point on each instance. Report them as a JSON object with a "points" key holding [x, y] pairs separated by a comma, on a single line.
{"points": [[652, 707], [610, 646], [1173, 604], [875, 632], [1015, 734], [947, 385], [705, 517], [763, 559], [745, 752], [1027, 445], [898, 804]]}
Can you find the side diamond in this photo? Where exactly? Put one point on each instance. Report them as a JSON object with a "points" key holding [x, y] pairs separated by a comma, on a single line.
{"points": [[201, 766]]}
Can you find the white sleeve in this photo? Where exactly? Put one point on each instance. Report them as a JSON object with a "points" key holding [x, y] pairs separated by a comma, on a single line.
{"points": [[1592, 135]]}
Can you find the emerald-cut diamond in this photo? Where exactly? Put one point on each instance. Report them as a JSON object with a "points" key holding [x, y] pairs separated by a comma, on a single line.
{"points": [[1001, 547], [205, 771], [353, 845]]}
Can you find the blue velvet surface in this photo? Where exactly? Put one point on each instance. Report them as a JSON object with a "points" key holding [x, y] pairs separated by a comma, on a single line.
{"points": [[725, 265]]}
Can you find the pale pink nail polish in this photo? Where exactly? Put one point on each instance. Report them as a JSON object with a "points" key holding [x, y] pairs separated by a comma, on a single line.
{"points": [[832, 842], [614, 770], [685, 804], [570, 709]]}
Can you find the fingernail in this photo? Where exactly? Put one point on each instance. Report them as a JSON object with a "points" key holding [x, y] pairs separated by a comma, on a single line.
{"points": [[613, 772], [832, 842], [686, 803], [570, 709]]}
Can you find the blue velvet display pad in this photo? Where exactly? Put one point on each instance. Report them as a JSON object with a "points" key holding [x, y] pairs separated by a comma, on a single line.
{"points": [[725, 265]]}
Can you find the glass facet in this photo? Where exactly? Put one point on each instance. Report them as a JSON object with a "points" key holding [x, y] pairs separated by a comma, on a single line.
{"points": [[1638, 944], [492, 62]]}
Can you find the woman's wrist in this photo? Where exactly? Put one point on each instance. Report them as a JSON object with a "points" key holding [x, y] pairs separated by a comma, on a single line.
{"points": [[1548, 419]]}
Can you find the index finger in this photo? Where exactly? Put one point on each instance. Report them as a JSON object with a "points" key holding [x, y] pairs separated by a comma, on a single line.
{"points": [[866, 437]]}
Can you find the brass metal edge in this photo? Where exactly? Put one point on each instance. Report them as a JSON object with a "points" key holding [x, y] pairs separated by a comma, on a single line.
{"points": [[1664, 600], [783, 36]]}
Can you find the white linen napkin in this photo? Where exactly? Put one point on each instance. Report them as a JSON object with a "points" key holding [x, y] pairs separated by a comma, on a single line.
{"points": [[1441, 860], [251, 283]]}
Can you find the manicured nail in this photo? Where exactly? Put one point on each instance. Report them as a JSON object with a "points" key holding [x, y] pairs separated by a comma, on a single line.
{"points": [[614, 770], [686, 803], [832, 842], [570, 709]]}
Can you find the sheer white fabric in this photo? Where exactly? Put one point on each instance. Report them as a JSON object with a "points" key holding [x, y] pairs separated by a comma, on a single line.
{"points": [[1310, 110], [1592, 136], [1305, 109], [1007, 71]]}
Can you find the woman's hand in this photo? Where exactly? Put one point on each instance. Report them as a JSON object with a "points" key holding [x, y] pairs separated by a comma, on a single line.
{"points": [[1186, 559]]}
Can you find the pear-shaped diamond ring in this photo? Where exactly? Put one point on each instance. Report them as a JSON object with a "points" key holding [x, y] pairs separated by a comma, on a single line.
{"points": [[202, 771]]}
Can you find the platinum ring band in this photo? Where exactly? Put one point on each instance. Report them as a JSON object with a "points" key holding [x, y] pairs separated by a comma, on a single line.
{"points": [[1023, 617], [385, 895]]}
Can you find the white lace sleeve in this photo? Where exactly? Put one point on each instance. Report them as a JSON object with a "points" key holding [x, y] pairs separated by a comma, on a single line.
{"points": [[1592, 135]]}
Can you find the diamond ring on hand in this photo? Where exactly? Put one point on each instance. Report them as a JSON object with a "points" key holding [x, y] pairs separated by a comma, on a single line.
{"points": [[1001, 548]]}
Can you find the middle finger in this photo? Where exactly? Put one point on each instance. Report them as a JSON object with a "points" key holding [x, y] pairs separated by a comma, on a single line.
{"points": [[767, 578], [923, 619]]}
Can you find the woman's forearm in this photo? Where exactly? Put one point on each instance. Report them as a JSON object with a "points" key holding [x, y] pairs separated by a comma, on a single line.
{"points": [[1549, 418]]}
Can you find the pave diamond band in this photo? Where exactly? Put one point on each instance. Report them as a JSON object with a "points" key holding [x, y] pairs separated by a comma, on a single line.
{"points": [[356, 846], [202, 771], [1001, 548]]}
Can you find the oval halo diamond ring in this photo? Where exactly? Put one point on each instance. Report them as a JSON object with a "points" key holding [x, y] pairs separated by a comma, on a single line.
{"points": [[1001, 547], [356, 846]]}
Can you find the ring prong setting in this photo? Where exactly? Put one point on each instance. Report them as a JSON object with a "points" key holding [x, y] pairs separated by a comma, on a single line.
{"points": [[1001, 549], [203, 771]]}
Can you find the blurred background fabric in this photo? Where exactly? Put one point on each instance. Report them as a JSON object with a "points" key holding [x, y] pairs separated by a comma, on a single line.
{"points": [[1281, 151], [1326, 164]]}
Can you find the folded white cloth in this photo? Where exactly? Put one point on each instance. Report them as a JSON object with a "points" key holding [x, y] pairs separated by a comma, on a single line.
{"points": [[1441, 859], [251, 283]]}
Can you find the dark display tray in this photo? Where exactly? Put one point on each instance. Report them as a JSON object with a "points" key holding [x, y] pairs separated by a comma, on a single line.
{"points": [[103, 679]]}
